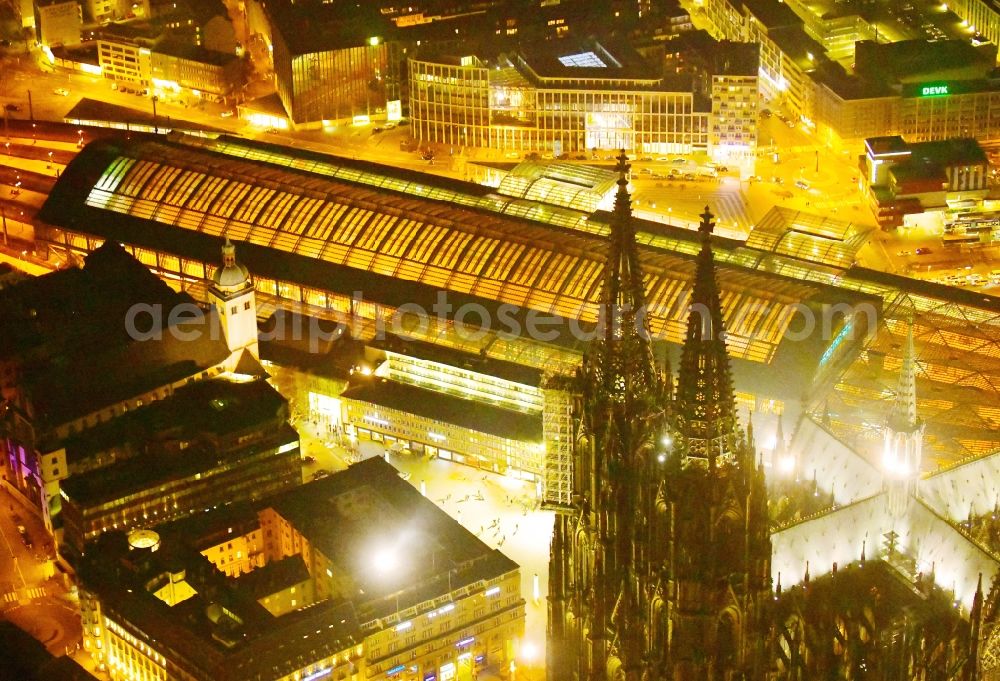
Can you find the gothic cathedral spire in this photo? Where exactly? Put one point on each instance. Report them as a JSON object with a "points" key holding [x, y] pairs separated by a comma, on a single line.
{"points": [[706, 408], [624, 358]]}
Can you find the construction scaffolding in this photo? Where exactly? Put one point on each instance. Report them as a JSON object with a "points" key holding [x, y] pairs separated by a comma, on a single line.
{"points": [[558, 433]]}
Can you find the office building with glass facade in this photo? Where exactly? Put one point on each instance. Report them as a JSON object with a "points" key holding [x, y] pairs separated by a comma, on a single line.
{"points": [[568, 97], [328, 69]]}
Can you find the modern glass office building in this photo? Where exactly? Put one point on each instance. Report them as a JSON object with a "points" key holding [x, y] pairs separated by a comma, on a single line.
{"points": [[569, 98]]}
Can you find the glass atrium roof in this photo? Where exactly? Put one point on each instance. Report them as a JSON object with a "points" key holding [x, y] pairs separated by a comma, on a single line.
{"points": [[449, 239]]}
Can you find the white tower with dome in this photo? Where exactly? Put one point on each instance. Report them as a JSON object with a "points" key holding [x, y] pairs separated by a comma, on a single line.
{"points": [[232, 295]]}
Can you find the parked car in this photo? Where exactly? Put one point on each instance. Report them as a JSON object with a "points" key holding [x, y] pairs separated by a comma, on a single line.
{"points": [[12, 107], [427, 155], [320, 474], [61, 91], [923, 250], [689, 176], [226, 114], [802, 184], [678, 161]]}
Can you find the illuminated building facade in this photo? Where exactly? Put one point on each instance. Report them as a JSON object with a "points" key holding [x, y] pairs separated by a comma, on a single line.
{"points": [[922, 90], [328, 68], [169, 69], [484, 414], [569, 98], [228, 441], [650, 577], [328, 595], [923, 180], [314, 229], [59, 23], [69, 367]]}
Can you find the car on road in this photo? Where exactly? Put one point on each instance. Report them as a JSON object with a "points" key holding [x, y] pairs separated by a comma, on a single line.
{"points": [[405, 476], [12, 107], [923, 250], [226, 114], [61, 91], [309, 458], [765, 113], [688, 176], [427, 155], [320, 474], [802, 184], [976, 279], [903, 254], [377, 129], [994, 277], [676, 161]]}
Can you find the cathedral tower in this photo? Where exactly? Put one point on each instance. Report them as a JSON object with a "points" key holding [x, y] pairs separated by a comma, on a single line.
{"points": [[657, 565]]}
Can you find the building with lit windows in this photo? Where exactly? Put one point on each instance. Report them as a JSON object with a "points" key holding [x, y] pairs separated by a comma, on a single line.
{"points": [[179, 68], [922, 90], [331, 68], [315, 229], [567, 96], [328, 593], [211, 441], [69, 365], [125, 62], [787, 52], [927, 181], [422, 400]]}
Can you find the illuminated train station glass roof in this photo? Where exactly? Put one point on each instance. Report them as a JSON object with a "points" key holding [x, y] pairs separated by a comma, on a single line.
{"points": [[485, 245], [346, 225]]}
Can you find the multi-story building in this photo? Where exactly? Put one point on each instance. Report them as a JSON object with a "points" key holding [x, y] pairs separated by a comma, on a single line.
{"points": [[125, 62], [328, 68], [567, 96], [167, 68], [76, 355], [213, 440], [180, 68], [449, 405], [322, 591], [924, 181], [58, 22], [735, 92], [922, 90], [981, 16]]}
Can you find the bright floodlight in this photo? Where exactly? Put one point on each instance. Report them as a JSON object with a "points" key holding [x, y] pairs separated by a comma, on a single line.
{"points": [[661, 458], [529, 651], [667, 440], [385, 561], [787, 464]]}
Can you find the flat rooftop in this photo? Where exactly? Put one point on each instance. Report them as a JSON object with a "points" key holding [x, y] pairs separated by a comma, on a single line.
{"points": [[457, 411], [203, 415], [336, 515]]}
